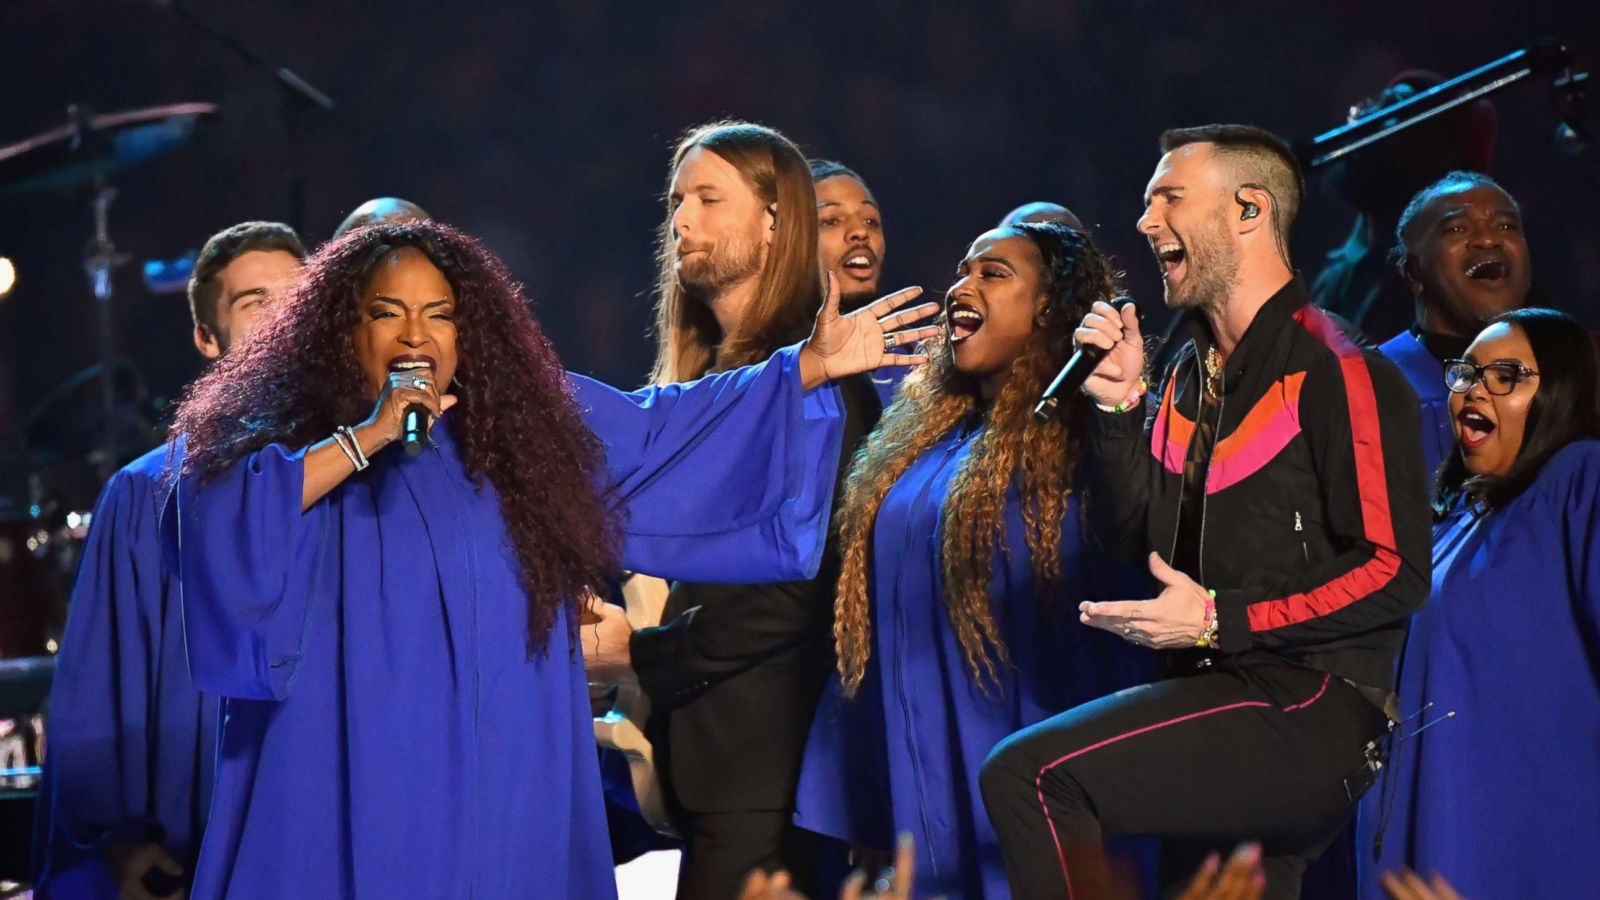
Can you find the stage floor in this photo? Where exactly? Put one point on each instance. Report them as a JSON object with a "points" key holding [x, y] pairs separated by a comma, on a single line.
{"points": [[653, 876]]}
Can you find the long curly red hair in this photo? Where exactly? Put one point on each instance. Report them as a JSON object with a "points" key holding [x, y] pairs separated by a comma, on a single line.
{"points": [[516, 419]]}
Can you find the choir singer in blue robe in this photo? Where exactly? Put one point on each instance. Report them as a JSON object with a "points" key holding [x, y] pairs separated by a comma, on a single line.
{"points": [[395, 636], [127, 776], [1494, 779], [963, 560]]}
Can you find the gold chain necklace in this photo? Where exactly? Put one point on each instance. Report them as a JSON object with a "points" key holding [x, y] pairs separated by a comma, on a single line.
{"points": [[1213, 369]]}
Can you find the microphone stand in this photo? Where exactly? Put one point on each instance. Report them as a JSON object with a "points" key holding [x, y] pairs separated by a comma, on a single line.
{"points": [[101, 259], [297, 95], [1545, 57]]}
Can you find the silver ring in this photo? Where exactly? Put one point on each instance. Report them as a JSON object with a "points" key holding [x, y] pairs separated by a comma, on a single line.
{"points": [[419, 382], [889, 341], [1127, 632]]}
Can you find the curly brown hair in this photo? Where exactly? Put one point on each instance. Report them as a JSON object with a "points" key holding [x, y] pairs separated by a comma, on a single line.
{"points": [[517, 421], [1014, 446]]}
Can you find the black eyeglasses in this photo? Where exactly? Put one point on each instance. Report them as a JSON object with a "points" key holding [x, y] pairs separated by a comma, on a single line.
{"points": [[1498, 378]]}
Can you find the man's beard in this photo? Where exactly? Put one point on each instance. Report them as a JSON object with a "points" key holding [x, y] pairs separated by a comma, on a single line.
{"points": [[709, 274], [1213, 268]]}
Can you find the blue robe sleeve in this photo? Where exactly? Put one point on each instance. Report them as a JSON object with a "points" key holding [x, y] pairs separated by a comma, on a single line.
{"points": [[247, 558], [729, 478], [1580, 524], [96, 779]]}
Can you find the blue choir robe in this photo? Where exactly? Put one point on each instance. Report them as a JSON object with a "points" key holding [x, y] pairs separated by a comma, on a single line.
{"points": [[886, 383], [904, 754], [130, 740], [1426, 375], [1504, 798], [387, 733]]}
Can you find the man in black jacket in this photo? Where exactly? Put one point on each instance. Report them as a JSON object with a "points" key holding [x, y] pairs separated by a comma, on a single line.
{"points": [[1277, 487], [735, 671]]}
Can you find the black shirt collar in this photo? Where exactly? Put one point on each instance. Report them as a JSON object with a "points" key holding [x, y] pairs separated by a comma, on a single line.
{"points": [[1442, 347], [1259, 338]]}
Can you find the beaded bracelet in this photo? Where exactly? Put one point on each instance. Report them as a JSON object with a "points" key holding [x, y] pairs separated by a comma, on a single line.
{"points": [[1138, 394], [1208, 635]]}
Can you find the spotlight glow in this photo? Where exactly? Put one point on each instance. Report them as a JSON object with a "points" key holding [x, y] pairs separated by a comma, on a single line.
{"points": [[8, 276]]}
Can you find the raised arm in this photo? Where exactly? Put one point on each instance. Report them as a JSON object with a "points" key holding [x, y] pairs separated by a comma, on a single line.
{"points": [[728, 478], [1117, 469]]}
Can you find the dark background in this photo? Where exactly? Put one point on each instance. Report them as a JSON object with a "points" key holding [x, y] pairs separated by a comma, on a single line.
{"points": [[545, 129]]}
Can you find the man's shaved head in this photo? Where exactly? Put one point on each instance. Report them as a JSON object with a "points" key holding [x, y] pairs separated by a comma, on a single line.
{"points": [[1042, 211], [381, 209]]}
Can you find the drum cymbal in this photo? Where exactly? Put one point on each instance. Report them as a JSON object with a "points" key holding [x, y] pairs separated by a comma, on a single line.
{"points": [[95, 145]]}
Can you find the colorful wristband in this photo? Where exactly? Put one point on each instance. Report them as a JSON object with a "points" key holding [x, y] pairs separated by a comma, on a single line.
{"points": [[1133, 398], [1208, 635]]}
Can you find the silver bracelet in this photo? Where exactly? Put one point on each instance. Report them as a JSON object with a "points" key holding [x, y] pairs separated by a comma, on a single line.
{"points": [[352, 450], [350, 435], [338, 439]]}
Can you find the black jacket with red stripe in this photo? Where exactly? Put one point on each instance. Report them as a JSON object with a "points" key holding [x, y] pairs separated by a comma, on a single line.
{"points": [[1315, 529]]}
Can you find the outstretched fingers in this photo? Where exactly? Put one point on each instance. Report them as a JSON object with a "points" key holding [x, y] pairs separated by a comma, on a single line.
{"points": [[908, 316], [888, 303]]}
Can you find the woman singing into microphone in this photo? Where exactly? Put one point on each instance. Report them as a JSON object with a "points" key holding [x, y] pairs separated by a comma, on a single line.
{"points": [[963, 563], [394, 638]]}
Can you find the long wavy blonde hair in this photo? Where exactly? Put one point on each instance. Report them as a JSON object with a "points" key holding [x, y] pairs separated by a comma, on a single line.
{"points": [[1014, 447]]}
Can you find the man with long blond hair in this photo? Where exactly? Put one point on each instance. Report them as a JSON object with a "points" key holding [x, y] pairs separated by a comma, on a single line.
{"points": [[737, 252], [735, 671]]}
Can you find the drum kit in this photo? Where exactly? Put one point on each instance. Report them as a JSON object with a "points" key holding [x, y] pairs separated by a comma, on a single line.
{"points": [[83, 430]]}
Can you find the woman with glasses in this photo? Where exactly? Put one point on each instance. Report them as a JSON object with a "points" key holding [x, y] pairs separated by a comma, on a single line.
{"points": [[1494, 776]]}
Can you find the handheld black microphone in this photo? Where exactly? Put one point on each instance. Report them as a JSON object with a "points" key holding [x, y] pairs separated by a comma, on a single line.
{"points": [[414, 429], [1073, 374]]}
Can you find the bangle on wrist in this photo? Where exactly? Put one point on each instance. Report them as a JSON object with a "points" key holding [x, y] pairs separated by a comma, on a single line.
{"points": [[350, 435], [338, 439], [345, 437]]}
